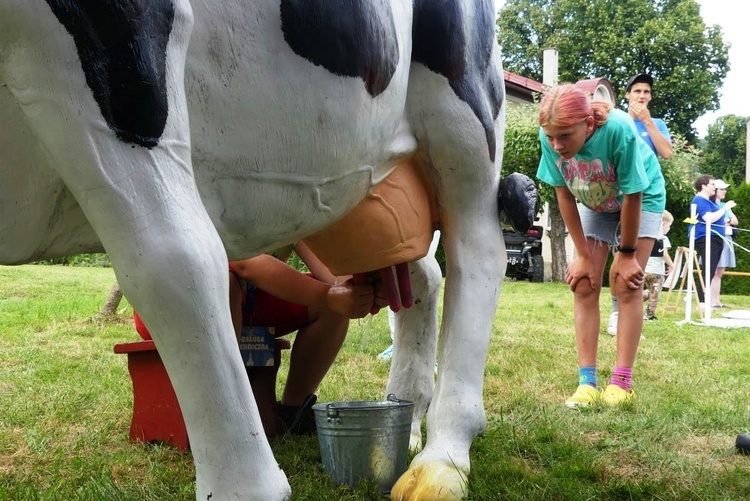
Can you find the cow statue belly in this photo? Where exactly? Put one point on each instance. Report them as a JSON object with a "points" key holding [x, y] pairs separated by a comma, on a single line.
{"points": [[174, 134]]}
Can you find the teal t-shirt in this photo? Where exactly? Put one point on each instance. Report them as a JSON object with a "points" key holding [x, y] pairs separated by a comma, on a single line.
{"points": [[612, 162]]}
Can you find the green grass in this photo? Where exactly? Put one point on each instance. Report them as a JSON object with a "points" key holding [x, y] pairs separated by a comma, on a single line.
{"points": [[65, 404]]}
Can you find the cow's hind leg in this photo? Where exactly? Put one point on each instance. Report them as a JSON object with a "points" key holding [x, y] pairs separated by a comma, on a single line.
{"points": [[457, 118]]}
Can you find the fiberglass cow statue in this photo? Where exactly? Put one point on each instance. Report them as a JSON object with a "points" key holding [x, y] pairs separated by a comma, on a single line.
{"points": [[175, 134]]}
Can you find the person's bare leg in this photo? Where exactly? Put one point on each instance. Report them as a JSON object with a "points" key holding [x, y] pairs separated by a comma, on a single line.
{"points": [[586, 308], [716, 286], [315, 348], [630, 321]]}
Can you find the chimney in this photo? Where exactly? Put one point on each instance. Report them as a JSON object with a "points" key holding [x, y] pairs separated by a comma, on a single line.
{"points": [[549, 67]]}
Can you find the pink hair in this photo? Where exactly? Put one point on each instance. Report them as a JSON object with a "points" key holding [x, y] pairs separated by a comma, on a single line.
{"points": [[566, 105]]}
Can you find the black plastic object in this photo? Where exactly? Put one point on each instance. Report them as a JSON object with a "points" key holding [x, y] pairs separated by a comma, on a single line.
{"points": [[518, 202], [743, 444]]}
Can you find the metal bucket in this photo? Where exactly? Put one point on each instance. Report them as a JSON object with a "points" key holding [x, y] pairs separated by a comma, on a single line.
{"points": [[364, 440]]}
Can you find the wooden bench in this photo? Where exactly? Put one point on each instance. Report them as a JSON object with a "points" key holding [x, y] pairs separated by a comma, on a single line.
{"points": [[157, 417]]}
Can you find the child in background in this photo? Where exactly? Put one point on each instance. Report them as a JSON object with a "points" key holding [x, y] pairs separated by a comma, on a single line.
{"points": [[657, 268]]}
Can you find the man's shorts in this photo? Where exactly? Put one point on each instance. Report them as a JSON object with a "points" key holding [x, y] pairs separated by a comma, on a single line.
{"points": [[605, 226]]}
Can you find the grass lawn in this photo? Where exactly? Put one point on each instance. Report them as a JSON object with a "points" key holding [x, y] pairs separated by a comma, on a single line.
{"points": [[66, 402]]}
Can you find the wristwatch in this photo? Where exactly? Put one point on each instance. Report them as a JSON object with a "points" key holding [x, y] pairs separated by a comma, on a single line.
{"points": [[625, 249]]}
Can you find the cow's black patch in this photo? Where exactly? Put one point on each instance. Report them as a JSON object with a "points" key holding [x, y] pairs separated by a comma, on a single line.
{"points": [[352, 38], [460, 49], [122, 47]]}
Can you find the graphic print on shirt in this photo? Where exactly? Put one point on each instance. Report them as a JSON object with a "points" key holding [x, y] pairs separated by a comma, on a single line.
{"points": [[593, 184]]}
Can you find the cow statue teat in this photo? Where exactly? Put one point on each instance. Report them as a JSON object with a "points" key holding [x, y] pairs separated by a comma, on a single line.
{"points": [[176, 134]]}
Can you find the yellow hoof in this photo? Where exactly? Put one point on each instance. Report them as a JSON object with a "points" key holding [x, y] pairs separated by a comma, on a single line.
{"points": [[431, 482]]}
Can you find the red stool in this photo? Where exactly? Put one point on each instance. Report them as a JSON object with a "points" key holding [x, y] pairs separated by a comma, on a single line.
{"points": [[157, 417]]}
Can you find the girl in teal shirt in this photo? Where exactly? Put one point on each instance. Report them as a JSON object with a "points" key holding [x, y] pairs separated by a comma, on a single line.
{"points": [[610, 190]]}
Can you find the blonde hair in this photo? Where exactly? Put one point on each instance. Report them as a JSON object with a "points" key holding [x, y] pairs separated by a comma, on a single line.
{"points": [[566, 105], [667, 217]]}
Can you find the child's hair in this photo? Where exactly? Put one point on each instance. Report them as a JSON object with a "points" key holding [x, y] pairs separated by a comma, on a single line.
{"points": [[566, 105], [667, 217]]}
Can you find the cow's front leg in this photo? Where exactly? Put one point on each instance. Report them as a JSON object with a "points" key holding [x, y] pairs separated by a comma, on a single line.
{"points": [[175, 276], [172, 267]]}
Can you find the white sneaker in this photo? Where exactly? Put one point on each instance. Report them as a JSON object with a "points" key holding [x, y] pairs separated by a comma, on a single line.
{"points": [[612, 325]]}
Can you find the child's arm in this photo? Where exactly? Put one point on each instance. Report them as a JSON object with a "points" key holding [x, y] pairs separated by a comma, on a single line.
{"points": [[569, 212], [314, 264], [281, 280]]}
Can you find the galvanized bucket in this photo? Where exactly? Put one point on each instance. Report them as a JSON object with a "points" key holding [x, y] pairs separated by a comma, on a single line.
{"points": [[364, 440]]}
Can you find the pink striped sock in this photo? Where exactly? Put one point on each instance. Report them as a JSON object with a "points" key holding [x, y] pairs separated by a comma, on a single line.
{"points": [[622, 377]]}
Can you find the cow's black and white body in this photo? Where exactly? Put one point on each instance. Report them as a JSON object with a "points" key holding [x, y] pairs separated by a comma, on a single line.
{"points": [[173, 134]]}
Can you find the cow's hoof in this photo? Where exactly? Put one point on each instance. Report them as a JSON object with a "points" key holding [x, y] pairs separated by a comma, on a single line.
{"points": [[431, 481]]}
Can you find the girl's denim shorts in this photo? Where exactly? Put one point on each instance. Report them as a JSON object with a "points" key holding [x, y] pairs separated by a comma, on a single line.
{"points": [[605, 226]]}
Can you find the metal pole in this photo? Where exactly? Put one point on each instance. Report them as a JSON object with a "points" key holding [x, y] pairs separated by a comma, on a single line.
{"points": [[707, 279], [689, 264]]}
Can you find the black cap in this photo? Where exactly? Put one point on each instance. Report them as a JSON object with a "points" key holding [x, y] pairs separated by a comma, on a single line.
{"points": [[640, 78]]}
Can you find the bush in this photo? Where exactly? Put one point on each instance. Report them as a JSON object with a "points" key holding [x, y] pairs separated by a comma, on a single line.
{"points": [[740, 285], [90, 260]]}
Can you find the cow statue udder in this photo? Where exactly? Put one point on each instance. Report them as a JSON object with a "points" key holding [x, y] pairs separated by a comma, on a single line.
{"points": [[176, 134]]}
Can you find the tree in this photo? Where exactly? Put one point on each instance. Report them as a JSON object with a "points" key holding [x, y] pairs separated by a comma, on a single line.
{"points": [[725, 149], [522, 150], [680, 173], [113, 301], [615, 40]]}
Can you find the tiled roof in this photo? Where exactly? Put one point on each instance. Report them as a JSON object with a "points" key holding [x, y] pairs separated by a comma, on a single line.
{"points": [[522, 83]]}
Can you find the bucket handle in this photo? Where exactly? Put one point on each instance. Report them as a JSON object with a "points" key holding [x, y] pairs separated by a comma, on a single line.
{"points": [[332, 414], [393, 398]]}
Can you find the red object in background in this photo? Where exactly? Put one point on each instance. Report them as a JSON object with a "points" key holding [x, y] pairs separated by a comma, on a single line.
{"points": [[140, 327], [157, 417]]}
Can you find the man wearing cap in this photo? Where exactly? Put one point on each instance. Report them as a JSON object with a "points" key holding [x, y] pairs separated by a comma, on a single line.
{"points": [[652, 130]]}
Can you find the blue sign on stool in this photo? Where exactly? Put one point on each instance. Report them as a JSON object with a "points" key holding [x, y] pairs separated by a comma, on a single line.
{"points": [[257, 346]]}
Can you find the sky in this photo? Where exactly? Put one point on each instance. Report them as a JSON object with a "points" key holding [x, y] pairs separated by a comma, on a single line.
{"points": [[735, 99], [734, 95]]}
